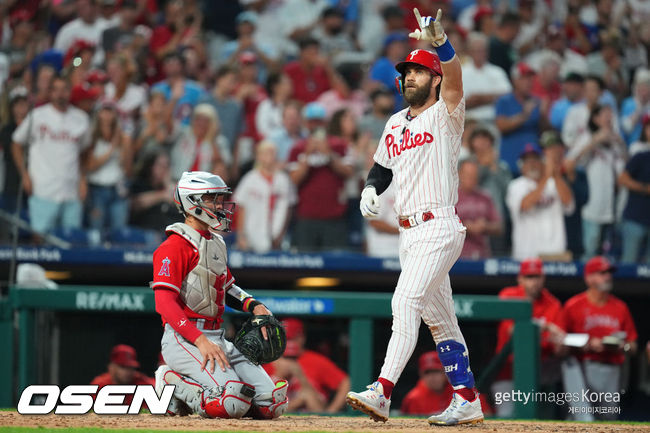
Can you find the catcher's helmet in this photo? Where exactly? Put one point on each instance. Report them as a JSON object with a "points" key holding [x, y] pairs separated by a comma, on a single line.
{"points": [[425, 58], [188, 198]]}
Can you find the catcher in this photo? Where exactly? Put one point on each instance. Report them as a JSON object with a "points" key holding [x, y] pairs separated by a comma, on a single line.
{"points": [[213, 377]]}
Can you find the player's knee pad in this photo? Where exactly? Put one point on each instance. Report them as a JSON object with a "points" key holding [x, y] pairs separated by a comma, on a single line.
{"points": [[279, 402], [455, 359], [232, 401]]}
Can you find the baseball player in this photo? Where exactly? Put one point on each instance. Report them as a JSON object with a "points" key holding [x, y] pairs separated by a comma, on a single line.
{"points": [[418, 152], [192, 285]]}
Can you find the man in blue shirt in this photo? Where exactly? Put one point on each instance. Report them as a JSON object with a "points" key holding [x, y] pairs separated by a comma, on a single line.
{"points": [[636, 217], [383, 70], [184, 94], [573, 89], [518, 116]]}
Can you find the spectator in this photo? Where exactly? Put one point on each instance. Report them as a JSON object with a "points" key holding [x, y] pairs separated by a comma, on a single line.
{"points": [[20, 49], [518, 116], [533, 16], [266, 28], [331, 34], [538, 201], [546, 83], [289, 133], [122, 34], [502, 52], [249, 41], [108, 167], [310, 74], [377, 21], [318, 168], [573, 88], [152, 194], [159, 130], [330, 382], [601, 152], [494, 175], [201, 147], [55, 135], [87, 27], [556, 43], [577, 118], [477, 211], [299, 18], [84, 97], [383, 70], [636, 106], [183, 94], [612, 334], [9, 173], [607, 63], [264, 197], [349, 96], [122, 370], [636, 216], [547, 314], [228, 108], [383, 103], [78, 61], [643, 144], [433, 391], [129, 98], [483, 82], [40, 92], [269, 112]]}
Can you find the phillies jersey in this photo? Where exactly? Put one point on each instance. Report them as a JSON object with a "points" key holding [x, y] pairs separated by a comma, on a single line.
{"points": [[580, 315], [423, 156], [546, 308]]}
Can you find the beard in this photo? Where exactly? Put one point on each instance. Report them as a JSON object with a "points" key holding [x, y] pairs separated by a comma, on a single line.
{"points": [[418, 96], [605, 286]]}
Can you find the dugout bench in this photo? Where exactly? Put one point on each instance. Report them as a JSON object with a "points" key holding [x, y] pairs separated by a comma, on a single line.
{"points": [[17, 313]]}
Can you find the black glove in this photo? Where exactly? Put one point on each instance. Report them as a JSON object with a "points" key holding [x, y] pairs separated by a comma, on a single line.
{"points": [[251, 343]]}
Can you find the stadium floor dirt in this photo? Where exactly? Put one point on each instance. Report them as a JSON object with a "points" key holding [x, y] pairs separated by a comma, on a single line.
{"points": [[299, 424]]}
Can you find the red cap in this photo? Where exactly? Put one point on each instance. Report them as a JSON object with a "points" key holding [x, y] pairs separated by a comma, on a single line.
{"points": [[125, 355], [424, 58], [293, 327], [531, 267], [598, 264], [19, 16], [81, 92], [76, 48], [429, 361], [96, 76], [482, 11], [522, 69]]}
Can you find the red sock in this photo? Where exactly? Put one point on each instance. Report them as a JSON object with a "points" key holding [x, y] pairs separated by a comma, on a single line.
{"points": [[388, 386], [467, 393]]}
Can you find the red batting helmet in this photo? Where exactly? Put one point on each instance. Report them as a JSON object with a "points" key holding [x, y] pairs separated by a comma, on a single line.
{"points": [[424, 58]]}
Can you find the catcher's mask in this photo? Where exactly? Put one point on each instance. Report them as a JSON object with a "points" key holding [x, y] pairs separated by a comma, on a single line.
{"points": [[203, 195]]}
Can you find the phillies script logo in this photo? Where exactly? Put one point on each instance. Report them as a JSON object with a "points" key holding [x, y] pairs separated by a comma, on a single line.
{"points": [[408, 142], [80, 399]]}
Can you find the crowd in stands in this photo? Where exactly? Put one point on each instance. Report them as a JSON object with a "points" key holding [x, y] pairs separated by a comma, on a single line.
{"points": [[107, 102]]}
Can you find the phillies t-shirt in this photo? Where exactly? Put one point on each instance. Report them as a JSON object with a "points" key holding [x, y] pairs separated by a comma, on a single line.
{"points": [[580, 315], [307, 85]]}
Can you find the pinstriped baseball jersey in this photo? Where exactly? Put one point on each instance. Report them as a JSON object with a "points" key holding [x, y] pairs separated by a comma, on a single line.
{"points": [[423, 155]]}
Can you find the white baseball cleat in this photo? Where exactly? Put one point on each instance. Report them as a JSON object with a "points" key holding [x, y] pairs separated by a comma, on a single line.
{"points": [[460, 411], [371, 402], [176, 407]]}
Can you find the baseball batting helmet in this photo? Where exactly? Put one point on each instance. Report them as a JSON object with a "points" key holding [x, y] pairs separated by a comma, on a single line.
{"points": [[188, 197], [424, 58]]}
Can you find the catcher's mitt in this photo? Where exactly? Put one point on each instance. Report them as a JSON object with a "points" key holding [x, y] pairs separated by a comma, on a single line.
{"points": [[251, 343]]}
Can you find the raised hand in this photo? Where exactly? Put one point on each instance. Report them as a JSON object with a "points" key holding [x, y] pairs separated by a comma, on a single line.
{"points": [[430, 29]]}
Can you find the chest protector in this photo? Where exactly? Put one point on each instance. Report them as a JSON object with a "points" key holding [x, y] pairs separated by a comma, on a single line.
{"points": [[202, 289]]}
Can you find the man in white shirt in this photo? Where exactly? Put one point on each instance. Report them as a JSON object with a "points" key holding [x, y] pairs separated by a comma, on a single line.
{"points": [[55, 136], [483, 82], [87, 27], [538, 201]]}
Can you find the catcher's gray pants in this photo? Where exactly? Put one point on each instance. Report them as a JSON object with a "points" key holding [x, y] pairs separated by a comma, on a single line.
{"points": [[184, 358]]}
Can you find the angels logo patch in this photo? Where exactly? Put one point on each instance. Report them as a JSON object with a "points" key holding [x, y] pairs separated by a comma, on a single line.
{"points": [[164, 269]]}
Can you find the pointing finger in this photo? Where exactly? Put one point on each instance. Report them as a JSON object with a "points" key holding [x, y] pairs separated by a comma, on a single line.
{"points": [[418, 16], [439, 15]]}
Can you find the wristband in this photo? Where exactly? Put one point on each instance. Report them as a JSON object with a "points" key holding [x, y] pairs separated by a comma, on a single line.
{"points": [[249, 306], [445, 51]]}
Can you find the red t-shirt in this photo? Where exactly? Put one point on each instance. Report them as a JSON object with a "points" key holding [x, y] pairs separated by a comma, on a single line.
{"points": [[139, 379], [473, 206], [321, 194], [546, 307], [307, 85], [172, 261], [250, 109], [422, 401], [322, 373], [581, 316]]}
